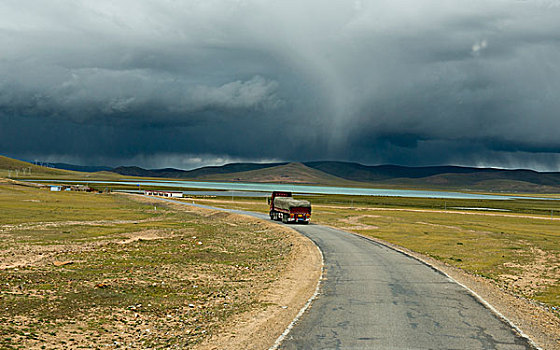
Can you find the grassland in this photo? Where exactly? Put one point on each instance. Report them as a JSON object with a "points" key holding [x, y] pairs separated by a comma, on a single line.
{"points": [[20, 170], [519, 249], [83, 270]]}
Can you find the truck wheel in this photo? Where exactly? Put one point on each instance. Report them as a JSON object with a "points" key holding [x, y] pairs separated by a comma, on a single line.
{"points": [[284, 219]]}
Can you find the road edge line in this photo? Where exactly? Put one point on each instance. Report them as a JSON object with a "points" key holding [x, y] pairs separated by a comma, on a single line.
{"points": [[305, 307], [480, 299]]}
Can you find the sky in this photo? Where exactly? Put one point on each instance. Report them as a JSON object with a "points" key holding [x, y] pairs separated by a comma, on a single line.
{"points": [[163, 83]]}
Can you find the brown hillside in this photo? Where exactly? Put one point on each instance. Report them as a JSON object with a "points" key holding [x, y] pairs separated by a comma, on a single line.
{"points": [[295, 173]]}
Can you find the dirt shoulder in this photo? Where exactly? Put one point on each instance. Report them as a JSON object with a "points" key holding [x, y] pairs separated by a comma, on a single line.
{"points": [[284, 297], [538, 324]]}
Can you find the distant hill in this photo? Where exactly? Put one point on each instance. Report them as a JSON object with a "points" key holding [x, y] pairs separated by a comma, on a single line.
{"points": [[243, 172], [230, 168], [193, 174], [450, 175], [293, 173], [371, 173], [444, 177]]}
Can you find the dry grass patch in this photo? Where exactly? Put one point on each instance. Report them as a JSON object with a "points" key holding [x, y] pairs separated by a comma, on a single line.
{"points": [[138, 277]]}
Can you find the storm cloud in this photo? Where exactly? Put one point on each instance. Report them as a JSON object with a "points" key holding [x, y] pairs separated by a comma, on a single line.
{"points": [[189, 83]]}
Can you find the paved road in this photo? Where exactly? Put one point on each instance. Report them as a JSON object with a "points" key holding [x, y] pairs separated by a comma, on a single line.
{"points": [[373, 297], [376, 298]]}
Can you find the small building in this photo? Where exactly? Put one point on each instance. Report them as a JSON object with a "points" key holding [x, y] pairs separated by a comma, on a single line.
{"points": [[169, 194], [81, 188], [56, 188]]}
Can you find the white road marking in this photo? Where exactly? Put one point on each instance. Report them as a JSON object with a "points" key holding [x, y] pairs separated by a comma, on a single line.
{"points": [[304, 308]]}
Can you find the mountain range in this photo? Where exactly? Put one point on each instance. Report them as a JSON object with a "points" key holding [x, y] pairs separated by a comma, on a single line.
{"points": [[331, 173]]}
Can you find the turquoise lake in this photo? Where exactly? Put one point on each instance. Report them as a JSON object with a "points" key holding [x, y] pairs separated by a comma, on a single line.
{"points": [[260, 187]]}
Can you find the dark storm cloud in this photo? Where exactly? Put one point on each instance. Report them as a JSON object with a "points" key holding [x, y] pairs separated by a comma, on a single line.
{"points": [[162, 83]]}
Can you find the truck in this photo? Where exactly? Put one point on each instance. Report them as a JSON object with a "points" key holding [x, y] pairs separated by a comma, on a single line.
{"points": [[284, 207]]}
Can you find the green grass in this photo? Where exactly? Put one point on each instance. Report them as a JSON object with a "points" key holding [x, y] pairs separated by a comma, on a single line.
{"points": [[21, 204], [180, 289]]}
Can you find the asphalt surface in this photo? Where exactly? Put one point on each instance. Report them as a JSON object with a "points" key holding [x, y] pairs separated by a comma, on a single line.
{"points": [[373, 297]]}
